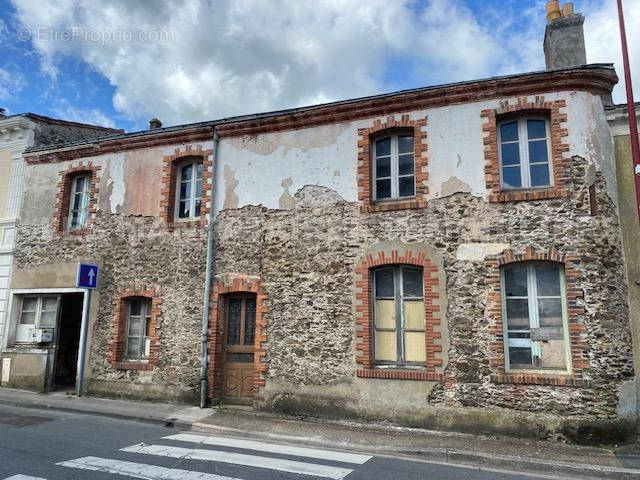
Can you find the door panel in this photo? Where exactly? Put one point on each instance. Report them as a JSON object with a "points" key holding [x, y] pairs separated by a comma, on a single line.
{"points": [[239, 348]]}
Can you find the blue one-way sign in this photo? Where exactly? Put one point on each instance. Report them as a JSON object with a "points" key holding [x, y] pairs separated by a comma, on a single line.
{"points": [[87, 275]]}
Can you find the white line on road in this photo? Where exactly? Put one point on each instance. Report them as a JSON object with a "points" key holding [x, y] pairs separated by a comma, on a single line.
{"points": [[24, 477], [300, 468], [271, 448], [138, 470]]}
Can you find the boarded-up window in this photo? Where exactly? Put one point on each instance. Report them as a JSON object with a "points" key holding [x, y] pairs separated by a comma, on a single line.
{"points": [[535, 313], [399, 316]]}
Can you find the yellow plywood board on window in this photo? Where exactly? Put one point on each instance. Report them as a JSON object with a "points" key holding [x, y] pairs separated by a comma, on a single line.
{"points": [[385, 314], [552, 354], [386, 347], [414, 315], [414, 345]]}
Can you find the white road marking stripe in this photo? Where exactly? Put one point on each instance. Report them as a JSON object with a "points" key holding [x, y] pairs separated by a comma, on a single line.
{"points": [[139, 470], [271, 448], [24, 477], [301, 468]]}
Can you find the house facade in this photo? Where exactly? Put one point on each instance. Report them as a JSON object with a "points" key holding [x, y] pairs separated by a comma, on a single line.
{"points": [[17, 134], [448, 256]]}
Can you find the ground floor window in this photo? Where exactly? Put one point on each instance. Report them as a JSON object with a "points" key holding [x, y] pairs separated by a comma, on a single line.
{"points": [[399, 316], [36, 312], [138, 328], [534, 306]]}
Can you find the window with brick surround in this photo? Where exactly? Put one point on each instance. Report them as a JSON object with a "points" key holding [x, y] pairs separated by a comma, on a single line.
{"points": [[79, 197], [524, 153], [398, 316], [138, 328], [189, 189], [393, 167]]}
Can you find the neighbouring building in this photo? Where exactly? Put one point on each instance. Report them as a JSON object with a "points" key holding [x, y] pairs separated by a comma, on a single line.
{"points": [[618, 118], [17, 134], [448, 256]]}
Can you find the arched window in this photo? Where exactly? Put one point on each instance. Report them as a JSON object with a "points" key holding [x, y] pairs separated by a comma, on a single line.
{"points": [[393, 167], [398, 316], [535, 316]]}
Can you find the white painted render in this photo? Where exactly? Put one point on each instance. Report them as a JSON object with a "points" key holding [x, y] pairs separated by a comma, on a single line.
{"points": [[258, 170]]}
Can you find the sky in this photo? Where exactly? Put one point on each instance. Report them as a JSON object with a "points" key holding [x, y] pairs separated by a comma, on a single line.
{"points": [[121, 62]]}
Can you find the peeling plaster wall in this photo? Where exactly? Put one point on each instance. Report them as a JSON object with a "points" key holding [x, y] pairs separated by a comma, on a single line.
{"points": [[255, 168]]}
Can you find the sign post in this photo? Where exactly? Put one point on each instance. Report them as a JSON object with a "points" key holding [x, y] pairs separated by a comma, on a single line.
{"points": [[87, 278]]}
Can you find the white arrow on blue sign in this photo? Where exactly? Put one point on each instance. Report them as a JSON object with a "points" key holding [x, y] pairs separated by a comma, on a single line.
{"points": [[87, 275]]}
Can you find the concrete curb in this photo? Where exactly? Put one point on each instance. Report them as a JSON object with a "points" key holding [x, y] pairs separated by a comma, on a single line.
{"points": [[517, 464], [42, 404]]}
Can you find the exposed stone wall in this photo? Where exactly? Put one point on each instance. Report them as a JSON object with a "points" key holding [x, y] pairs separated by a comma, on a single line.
{"points": [[306, 258], [136, 253]]}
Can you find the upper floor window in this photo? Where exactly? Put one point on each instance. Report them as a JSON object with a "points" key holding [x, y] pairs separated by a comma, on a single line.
{"points": [[80, 195], [189, 190], [534, 309], [524, 153], [393, 167], [36, 311], [138, 328], [399, 316]]}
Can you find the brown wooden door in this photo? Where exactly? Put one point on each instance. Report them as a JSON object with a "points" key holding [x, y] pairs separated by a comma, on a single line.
{"points": [[240, 326]]}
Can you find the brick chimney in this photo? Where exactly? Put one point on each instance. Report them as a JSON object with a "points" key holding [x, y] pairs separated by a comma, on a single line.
{"points": [[564, 37], [154, 123]]}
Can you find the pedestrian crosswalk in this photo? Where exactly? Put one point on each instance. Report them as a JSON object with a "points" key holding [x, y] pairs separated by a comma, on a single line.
{"points": [[195, 452]]}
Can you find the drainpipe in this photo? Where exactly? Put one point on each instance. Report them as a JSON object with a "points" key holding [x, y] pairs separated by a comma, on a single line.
{"points": [[631, 108], [207, 277]]}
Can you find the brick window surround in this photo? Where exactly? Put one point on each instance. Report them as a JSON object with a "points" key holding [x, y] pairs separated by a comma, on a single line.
{"points": [[169, 180], [117, 346], [220, 288], [63, 198], [364, 170], [364, 316], [560, 165], [575, 313]]}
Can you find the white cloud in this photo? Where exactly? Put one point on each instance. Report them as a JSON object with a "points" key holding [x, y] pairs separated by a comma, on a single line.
{"points": [[11, 83], [232, 57], [602, 38], [92, 117]]}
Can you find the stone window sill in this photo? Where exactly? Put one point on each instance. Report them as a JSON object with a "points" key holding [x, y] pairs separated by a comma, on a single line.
{"points": [[393, 205], [399, 374], [528, 195], [525, 378]]}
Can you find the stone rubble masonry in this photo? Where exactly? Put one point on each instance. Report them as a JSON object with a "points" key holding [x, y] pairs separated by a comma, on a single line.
{"points": [[364, 316], [575, 312], [557, 121], [63, 197], [169, 181], [223, 286], [117, 346], [307, 260], [364, 173]]}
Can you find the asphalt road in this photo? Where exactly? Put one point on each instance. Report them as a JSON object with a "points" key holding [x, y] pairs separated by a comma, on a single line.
{"points": [[49, 445]]}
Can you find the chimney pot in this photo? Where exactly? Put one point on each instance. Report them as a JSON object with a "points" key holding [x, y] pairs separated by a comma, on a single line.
{"points": [[553, 10], [567, 9], [154, 123]]}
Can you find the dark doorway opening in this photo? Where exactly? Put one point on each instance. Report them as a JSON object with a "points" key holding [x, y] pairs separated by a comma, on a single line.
{"points": [[66, 363]]}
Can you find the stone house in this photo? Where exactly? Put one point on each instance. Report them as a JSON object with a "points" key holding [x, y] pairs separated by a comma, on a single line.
{"points": [[447, 256], [18, 133]]}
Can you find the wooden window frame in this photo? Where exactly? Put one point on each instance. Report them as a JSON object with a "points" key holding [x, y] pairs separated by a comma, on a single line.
{"points": [[194, 162], [145, 326], [534, 321], [399, 330], [84, 208], [523, 144], [37, 317], [394, 162]]}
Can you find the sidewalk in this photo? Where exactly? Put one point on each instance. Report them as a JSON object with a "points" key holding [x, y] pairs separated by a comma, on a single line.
{"points": [[555, 459], [177, 416]]}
